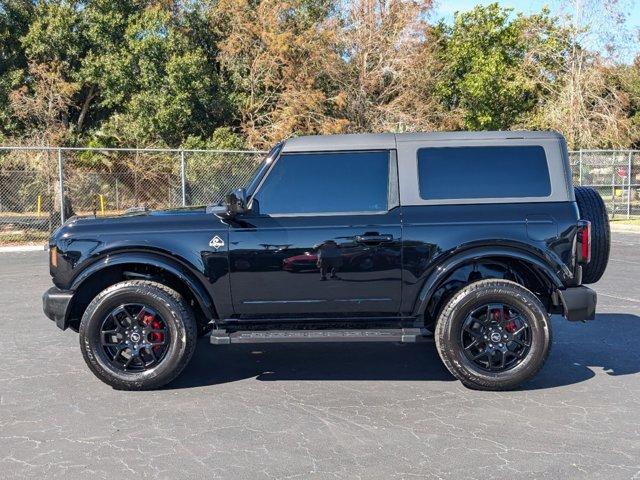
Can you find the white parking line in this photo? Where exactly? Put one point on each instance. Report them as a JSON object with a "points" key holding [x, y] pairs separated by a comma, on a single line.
{"points": [[623, 261], [619, 298]]}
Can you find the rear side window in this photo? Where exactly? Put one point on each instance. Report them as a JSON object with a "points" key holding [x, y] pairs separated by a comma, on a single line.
{"points": [[483, 172], [338, 182]]}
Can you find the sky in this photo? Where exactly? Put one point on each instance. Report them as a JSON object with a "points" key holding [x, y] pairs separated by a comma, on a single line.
{"points": [[629, 8]]}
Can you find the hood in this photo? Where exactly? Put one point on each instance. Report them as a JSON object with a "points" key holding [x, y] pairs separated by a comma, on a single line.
{"points": [[136, 222]]}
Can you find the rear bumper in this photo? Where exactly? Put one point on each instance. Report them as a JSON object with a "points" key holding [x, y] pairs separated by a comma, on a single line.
{"points": [[578, 303], [55, 303]]}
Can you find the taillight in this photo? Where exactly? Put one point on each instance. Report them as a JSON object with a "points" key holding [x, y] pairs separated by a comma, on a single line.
{"points": [[584, 241]]}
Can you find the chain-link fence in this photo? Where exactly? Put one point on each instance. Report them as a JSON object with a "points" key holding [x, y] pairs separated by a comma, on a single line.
{"points": [[616, 176], [41, 186]]}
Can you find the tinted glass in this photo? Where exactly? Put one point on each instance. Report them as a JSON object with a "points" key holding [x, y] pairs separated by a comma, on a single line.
{"points": [[326, 182], [483, 172]]}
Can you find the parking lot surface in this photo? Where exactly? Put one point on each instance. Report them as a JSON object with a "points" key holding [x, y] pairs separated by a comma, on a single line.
{"points": [[322, 410]]}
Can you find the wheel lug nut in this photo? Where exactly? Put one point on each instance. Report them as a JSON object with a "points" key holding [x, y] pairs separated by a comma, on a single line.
{"points": [[500, 345]]}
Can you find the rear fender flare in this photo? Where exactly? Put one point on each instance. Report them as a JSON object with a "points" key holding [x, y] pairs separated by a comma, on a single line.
{"points": [[444, 269]]}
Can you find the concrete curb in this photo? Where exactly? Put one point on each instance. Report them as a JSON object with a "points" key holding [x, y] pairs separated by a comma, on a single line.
{"points": [[23, 248]]}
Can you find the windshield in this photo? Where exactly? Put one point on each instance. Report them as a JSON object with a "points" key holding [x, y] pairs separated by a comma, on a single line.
{"points": [[262, 169]]}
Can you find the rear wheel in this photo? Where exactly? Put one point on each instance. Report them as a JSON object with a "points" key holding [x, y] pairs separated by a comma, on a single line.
{"points": [[137, 335], [493, 335], [593, 209]]}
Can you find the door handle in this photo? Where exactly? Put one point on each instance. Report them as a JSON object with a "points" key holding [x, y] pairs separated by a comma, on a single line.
{"points": [[374, 239]]}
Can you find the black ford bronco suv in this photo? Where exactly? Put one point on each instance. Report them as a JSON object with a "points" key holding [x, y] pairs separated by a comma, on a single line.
{"points": [[475, 238]]}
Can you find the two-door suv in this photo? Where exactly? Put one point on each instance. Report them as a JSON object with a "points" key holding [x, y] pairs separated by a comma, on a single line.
{"points": [[476, 238]]}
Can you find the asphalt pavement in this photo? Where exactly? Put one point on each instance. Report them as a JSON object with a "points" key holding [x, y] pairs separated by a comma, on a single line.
{"points": [[322, 410]]}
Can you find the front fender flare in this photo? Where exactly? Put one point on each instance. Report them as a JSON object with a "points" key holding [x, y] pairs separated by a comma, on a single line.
{"points": [[444, 269], [155, 260]]}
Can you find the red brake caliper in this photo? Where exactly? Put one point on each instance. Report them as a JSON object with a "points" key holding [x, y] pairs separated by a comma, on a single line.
{"points": [[156, 325], [510, 326]]}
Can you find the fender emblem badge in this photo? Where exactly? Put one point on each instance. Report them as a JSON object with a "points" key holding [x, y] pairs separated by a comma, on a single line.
{"points": [[216, 242]]}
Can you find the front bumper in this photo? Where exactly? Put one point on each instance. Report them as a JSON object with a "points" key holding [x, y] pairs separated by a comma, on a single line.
{"points": [[578, 303], [55, 303]]}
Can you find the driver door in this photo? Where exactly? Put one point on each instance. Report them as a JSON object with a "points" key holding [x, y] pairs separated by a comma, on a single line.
{"points": [[322, 239]]}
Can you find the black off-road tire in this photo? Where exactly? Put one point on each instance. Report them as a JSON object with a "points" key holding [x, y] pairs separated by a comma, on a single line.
{"points": [[175, 312], [593, 209], [448, 331]]}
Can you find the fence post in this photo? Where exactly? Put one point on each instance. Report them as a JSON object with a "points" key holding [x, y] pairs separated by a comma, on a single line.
{"points": [[61, 180], [613, 191], [183, 179], [580, 167], [629, 187]]}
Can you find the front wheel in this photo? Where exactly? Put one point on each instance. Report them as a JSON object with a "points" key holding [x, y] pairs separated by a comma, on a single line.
{"points": [[137, 335], [493, 335]]}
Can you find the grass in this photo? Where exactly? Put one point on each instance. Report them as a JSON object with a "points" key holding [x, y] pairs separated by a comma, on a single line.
{"points": [[18, 237]]}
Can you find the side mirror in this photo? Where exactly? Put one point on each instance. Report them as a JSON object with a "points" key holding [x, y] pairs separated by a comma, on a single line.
{"points": [[236, 202]]}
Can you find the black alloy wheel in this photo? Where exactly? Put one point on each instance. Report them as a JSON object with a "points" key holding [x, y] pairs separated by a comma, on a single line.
{"points": [[495, 337], [134, 337]]}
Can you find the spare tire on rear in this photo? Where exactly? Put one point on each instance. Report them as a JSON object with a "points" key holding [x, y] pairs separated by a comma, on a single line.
{"points": [[593, 209]]}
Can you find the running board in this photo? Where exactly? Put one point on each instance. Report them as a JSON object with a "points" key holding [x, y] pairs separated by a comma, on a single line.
{"points": [[405, 335]]}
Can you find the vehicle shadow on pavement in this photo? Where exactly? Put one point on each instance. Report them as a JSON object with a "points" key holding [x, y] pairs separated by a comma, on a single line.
{"points": [[213, 365], [581, 350], [578, 352]]}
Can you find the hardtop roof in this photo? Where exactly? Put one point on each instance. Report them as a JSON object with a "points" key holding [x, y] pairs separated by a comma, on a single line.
{"points": [[375, 141]]}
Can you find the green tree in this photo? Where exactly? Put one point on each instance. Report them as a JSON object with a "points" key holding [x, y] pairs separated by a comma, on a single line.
{"points": [[146, 72], [223, 138], [495, 66], [15, 18], [159, 86], [231, 73]]}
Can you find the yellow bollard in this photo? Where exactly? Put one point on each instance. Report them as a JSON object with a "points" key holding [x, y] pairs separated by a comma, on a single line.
{"points": [[101, 204], [39, 207]]}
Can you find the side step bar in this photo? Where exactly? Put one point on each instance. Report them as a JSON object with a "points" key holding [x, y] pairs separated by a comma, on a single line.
{"points": [[405, 335]]}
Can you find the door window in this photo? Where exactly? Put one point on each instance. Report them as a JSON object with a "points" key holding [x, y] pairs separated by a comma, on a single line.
{"points": [[322, 183]]}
